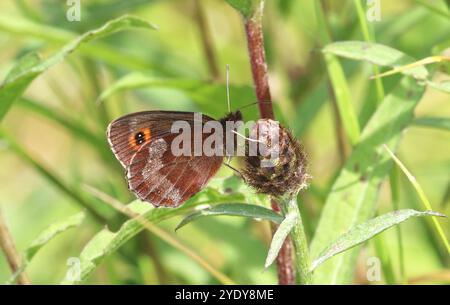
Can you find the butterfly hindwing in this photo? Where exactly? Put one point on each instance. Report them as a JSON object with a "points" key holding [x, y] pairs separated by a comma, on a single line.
{"points": [[157, 176]]}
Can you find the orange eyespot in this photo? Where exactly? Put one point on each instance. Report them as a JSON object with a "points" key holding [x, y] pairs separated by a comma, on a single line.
{"points": [[140, 137]]}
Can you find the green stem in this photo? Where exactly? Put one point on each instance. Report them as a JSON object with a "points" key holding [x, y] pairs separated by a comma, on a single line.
{"points": [[368, 36], [302, 261]]}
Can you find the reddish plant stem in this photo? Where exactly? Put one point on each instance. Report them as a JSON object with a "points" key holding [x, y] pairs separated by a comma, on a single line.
{"points": [[11, 253], [255, 44], [208, 47]]}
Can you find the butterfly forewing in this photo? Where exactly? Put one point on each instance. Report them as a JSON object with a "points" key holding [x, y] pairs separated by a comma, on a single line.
{"points": [[165, 179], [129, 133]]}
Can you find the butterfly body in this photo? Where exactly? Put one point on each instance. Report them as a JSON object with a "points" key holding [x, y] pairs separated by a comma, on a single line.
{"points": [[142, 142]]}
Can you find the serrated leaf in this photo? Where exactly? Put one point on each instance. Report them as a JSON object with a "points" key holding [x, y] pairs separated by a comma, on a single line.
{"points": [[233, 209], [106, 242], [279, 237], [45, 237], [376, 54], [27, 70], [353, 195], [365, 231]]}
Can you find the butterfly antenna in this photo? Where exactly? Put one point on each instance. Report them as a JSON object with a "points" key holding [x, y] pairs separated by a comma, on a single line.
{"points": [[228, 88], [245, 138]]}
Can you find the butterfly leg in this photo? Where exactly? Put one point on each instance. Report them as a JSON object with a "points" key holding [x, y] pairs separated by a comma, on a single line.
{"points": [[234, 169]]}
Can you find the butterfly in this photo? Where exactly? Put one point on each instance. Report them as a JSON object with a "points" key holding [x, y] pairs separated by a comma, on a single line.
{"points": [[142, 143]]}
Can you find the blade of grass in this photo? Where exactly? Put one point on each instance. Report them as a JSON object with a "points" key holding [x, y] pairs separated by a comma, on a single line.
{"points": [[437, 277], [31, 67], [54, 115], [142, 215], [423, 198], [365, 231], [439, 11], [443, 86], [433, 122], [354, 192], [419, 63], [368, 37], [393, 182], [233, 209], [338, 81], [206, 39], [45, 237], [12, 255], [22, 27], [50, 176], [382, 252], [378, 54], [200, 92]]}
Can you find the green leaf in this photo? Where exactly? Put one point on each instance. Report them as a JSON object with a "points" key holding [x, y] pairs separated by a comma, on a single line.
{"points": [[354, 193], [443, 86], [343, 98], [365, 231], [50, 232], [45, 237], [20, 27], [245, 7], [30, 67], [201, 92], [279, 237], [106, 242], [434, 122], [233, 209], [376, 54]]}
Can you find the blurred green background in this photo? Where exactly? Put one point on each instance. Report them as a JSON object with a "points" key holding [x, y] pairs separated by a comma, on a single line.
{"points": [[298, 78]]}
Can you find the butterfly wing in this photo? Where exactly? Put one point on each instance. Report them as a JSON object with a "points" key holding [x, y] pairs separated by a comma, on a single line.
{"points": [[142, 141], [128, 133], [157, 176]]}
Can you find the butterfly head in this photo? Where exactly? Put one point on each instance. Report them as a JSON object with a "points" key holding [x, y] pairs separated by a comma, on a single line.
{"points": [[232, 116]]}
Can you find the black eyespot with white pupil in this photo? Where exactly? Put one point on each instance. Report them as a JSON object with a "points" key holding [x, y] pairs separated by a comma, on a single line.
{"points": [[139, 138]]}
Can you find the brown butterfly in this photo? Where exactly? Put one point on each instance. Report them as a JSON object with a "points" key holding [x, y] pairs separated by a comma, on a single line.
{"points": [[142, 143]]}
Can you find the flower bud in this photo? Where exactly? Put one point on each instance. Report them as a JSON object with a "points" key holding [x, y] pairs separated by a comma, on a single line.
{"points": [[275, 163]]}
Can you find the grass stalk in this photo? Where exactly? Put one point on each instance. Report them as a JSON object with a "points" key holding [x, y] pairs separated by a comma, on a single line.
{"points": [[207, 41], [393, 182], [52, 177], [423, 198], [11, 253], [368, 36], [120, 207]]}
